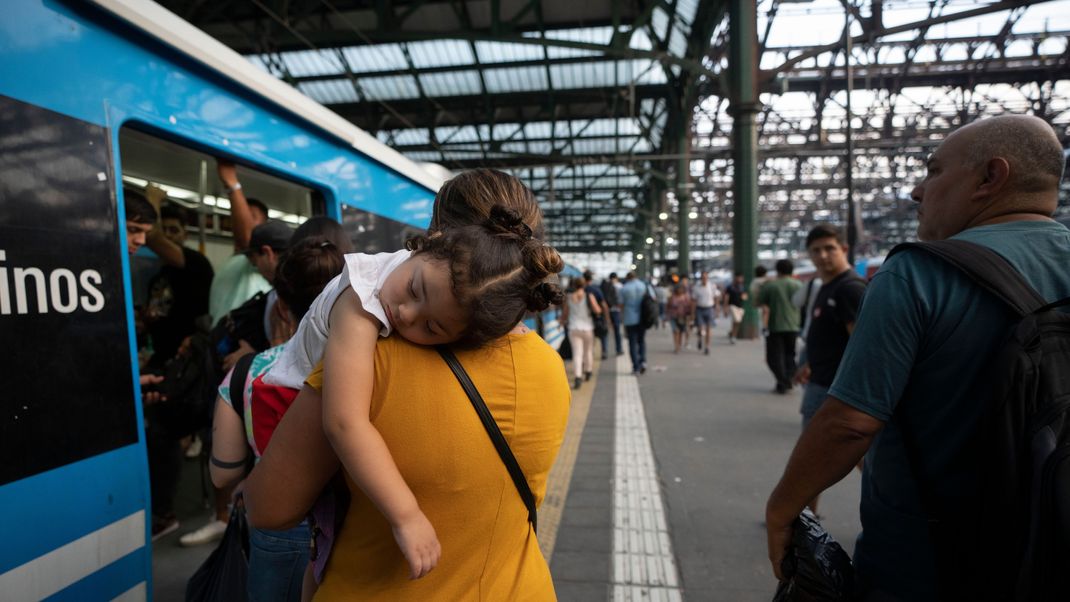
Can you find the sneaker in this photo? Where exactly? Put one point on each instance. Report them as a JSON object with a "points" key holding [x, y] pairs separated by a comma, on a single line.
{"points": [[642, 369], [163, 526], [195, 447], [213, 531]]}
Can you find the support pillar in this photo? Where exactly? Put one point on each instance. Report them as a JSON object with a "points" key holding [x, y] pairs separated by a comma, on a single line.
{"points": [[683, 195], [744, 107]]}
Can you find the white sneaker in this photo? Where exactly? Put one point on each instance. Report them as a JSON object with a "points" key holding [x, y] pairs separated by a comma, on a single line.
{"points": [[213, 531], [194, 449]]}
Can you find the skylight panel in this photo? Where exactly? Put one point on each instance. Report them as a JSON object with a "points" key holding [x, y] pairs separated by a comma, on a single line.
{"points": [[378, 57], [305, 63], [411, 137], [640, 40], [507, 52], [538, 129], [659, 20], [678, 42], [584, 75], [441, 53], [390, 87], [332, 91], [451, 83], [516, 79], [686, 10]]}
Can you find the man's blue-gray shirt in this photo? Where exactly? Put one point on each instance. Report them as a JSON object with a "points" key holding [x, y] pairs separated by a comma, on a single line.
{"points": [[924, 337]]}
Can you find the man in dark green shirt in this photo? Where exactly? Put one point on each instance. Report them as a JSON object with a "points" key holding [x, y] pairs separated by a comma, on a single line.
{"points": [[783, 324]]}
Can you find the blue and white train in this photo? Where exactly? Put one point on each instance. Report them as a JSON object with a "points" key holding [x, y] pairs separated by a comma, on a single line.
{"points": [[94, 95]]}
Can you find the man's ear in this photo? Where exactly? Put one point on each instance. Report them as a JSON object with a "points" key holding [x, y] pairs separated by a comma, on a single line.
{"points": [[997, 172]]}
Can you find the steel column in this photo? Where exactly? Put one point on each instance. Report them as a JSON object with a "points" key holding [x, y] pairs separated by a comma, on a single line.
{"points": [[744, 106]]}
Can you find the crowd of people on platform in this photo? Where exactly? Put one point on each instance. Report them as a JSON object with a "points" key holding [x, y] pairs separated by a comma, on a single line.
{"points": [[346, 398]]}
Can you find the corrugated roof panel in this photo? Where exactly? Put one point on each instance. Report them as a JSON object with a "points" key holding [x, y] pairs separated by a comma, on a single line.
{"points": [[584, 75], [640, 40], [380, 57], [505, 52], [424, 155], [451, 83], [259, 62], [456, 133], [503, 131], [303, 63], [441, 53], [685, 11], [538, 129], [521, 79], [390, 87], [331, 91], [411, 137], [659, 21], [678, 42]]}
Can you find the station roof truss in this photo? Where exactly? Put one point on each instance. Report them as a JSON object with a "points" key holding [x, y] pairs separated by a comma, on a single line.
{"points": [[579, 99], [540, 88]]}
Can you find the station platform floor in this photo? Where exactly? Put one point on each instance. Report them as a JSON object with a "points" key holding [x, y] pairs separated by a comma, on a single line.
{"points": [[659, 490]]}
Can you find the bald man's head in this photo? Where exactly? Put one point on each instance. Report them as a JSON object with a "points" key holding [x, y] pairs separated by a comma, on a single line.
{"points": [[1026, 142]]}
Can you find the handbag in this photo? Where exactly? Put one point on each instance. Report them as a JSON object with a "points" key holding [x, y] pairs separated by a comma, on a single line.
{"points": [[565, 348], [496, 437], [601, 329], [224, 573]]}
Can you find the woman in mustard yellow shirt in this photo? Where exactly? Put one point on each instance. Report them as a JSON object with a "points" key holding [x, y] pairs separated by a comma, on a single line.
{"points": [[489, 550]]}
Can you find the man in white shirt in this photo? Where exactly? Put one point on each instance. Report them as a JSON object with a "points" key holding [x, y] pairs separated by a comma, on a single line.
{"points": [[705, 293]]}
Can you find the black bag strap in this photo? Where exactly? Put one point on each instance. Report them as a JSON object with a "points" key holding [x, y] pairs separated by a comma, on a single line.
{"points": [[495, 433], [237, 384], [987, 268]]}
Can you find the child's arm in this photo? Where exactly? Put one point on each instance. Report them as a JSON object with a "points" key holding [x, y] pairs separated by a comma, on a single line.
{"points": [[348, 373]]}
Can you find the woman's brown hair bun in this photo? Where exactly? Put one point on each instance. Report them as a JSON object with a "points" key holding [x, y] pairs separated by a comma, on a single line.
{"points": [[508, 221], [544, 295]]}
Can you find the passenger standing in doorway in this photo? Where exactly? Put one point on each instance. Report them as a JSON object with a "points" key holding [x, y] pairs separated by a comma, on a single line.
{"points": [[578, 316], [831, 320], [611, 291], [631, 295], [917, 366], [734, 297], [706, 296], [238, 279], [782, 325]]}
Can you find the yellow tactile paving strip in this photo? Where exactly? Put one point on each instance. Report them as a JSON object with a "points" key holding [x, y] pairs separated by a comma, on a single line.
{"points": [[561, 473]]}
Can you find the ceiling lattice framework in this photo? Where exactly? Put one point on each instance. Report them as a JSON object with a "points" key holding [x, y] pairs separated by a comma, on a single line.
{"points": [[579, 99], [541, 88]]}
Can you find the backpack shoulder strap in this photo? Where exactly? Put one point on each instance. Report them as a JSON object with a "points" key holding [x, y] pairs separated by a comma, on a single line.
{"points": [[496, 437], [237, 384], [985, 267]]}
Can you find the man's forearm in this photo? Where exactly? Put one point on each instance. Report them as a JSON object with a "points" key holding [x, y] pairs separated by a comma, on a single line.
{"points": [[832, 444]]}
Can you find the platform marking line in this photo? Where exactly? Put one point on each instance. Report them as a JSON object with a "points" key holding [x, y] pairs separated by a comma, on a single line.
{"points": [[138, 593], [69, 563], [557, 483], [644, 565]]}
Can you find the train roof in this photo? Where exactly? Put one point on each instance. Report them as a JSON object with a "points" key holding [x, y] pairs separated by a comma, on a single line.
{"points": [[172, 30]]}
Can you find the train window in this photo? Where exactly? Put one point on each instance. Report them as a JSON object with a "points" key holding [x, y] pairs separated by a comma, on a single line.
{"points": [[189, 177], [372, 233]]}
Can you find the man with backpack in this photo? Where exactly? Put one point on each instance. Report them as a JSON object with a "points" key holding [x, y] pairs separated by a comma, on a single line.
{"points": [[941, 381], [640, 312]]}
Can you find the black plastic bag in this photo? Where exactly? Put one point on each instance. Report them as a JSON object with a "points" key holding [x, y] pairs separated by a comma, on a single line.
{"points": [[816, 567], [223, 575], [565, 348]]}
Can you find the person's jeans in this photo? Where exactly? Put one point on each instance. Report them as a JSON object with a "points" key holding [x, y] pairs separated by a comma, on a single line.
{"points": [[277, 562], [637, 346], [780, 357], [614, 315]]}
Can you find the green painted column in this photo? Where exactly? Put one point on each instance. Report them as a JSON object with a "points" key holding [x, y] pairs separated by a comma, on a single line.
{"points": [[683, 194], [744, 106]]}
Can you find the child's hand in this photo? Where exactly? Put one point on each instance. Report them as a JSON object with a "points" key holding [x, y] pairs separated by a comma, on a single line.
{"points": [[418, 542]]}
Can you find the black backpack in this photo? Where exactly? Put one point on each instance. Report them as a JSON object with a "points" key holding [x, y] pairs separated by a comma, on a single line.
{"points": [[246, 322], [1021, 535], [648, 309], [189, 385]]}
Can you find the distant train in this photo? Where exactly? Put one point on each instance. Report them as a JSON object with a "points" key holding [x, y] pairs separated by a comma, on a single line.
{"points": [[94, 96]]}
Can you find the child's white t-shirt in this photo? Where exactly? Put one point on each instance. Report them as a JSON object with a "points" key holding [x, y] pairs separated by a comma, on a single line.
{"points": [[365, 274]]}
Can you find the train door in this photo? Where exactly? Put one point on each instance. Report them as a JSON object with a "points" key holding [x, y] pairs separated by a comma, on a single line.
{"points": [[72, 479]]}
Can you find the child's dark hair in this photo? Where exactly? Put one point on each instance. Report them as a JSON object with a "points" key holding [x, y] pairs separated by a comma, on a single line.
{"points": [[304, 269], [138, 208], [498, 271]]}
